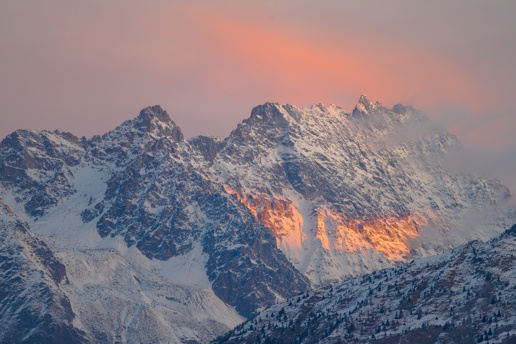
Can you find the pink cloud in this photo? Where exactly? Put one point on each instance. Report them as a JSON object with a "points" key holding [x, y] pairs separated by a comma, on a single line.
{"points": [[301, 69], [87, 66]]}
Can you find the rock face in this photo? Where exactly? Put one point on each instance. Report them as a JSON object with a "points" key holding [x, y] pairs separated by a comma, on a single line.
{"points": [[36, 167], [346, 194], [158, 200], [292, 199], [465, 296], [33, 307]]}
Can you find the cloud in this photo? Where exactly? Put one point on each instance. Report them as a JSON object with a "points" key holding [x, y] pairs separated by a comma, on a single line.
{"points": [[498, 163], [319, 67]]}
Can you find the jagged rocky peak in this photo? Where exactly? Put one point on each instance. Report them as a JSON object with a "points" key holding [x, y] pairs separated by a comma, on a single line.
{"points": [[275, 113], [365, 107], [152, 114], [269, 125], [33, 149], [155, 120], [401, 109], [30, 138], [151, 130]]}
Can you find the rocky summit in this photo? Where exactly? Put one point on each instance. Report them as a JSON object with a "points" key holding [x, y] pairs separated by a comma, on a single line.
{"points": [[164, 239]]}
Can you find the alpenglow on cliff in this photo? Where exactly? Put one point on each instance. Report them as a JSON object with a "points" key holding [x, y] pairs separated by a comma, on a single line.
{"points": [[166, 239]]}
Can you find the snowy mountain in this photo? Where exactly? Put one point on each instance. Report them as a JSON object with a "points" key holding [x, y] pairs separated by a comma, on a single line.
{"points": [[349, 193], [465, 296], [167, 239]]}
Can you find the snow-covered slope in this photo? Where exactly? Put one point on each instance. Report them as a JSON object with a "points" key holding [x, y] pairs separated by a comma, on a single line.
{"points": [[465, 296], [116, 299], [177, 240], [107, 293], [33, 306]]}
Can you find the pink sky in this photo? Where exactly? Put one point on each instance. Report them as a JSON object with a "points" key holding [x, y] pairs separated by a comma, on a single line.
{"points": [[85, 67]]}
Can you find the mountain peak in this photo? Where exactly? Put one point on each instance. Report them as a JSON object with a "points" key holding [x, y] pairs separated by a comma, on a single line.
{"points": [[267, 107], [275, 113], [155, 120], [365, 107], [364, 100], [155, 111]]}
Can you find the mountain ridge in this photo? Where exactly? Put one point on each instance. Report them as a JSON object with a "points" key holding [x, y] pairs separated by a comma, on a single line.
{"points": [[466, 295], [292, 199]]}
